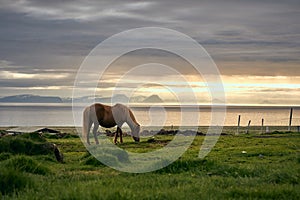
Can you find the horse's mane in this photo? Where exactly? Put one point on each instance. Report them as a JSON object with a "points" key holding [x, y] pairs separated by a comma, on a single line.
{"points": [[132, 117]]}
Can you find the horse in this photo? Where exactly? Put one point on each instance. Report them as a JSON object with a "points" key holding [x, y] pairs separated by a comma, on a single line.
{"points": [[108, 117]]}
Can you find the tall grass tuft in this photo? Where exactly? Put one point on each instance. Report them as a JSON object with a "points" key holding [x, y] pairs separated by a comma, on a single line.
{"points": [[13, 181], [4, 156], [29, 144], [26, 164], [88, 159]]}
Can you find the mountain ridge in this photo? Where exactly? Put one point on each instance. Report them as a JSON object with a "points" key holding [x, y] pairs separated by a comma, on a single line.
{"points": [[29, 98], [119, 98]]}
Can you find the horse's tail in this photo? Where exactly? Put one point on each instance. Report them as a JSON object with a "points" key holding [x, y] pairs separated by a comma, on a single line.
{"points": [[86, 123]]}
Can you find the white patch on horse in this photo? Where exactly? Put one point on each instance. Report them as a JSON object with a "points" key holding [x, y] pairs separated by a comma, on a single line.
{"points": [[120, 114]]}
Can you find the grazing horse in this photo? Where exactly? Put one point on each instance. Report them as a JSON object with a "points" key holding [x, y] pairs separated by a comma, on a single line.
{"points": [[109, 116]]}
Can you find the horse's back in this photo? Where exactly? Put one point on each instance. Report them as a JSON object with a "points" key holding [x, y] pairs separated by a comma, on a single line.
{"points": [[109, 116], [119, 106], [120, 113], [103, 115]]}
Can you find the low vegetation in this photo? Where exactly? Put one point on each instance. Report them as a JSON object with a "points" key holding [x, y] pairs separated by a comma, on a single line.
{"points": [[249, 166]]}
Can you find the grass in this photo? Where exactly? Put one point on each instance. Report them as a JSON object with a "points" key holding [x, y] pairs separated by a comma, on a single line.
{"points": [[268, 170], [29, 144], [13, 181]]}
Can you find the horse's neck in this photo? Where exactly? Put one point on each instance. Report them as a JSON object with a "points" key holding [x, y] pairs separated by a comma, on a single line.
{"points": [[131, 122], [121, 114]]}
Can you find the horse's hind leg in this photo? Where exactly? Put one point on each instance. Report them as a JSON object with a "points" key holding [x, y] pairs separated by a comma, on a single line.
{"points": [[121, 135], [88, 132], [116, 137], [96, 126]]}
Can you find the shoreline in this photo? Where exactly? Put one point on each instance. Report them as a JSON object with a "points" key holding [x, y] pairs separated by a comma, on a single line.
{"points": [[203, 129]]}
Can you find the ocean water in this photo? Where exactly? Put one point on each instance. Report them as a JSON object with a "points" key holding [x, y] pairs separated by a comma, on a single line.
{"points": [[62, 115]]}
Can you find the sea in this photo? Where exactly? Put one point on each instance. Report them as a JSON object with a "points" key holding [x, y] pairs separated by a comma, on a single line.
{"points": [[60, 114]]}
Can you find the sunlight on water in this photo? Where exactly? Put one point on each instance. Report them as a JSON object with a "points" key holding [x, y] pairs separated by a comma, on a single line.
{"points": [[61, 115]]}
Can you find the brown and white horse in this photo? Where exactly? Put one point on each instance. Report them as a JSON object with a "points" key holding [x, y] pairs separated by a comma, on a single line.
{"points": [[107, 117]]}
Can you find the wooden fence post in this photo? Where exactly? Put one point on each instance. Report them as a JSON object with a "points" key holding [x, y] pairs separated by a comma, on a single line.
{"points": [[238, 126], [247, 131], [291, 117], [262, 125]]}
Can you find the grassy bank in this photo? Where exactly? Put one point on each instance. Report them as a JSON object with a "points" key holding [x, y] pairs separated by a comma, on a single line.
{"points": [[268, 168]]}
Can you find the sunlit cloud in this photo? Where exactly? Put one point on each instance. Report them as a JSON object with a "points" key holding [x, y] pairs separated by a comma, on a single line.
{"points": [[18, 75], [11, 75], [46, 88]]}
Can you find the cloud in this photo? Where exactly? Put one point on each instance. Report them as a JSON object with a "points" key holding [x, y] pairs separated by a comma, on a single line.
{"points": [[25, 76], [77, 10]]}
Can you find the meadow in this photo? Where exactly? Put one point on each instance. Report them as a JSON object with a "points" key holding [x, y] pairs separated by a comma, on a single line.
{"points": [[245, 166]]}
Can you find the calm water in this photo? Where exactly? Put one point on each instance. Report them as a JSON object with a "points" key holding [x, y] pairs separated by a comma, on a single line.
{"points": [[61, 115]]}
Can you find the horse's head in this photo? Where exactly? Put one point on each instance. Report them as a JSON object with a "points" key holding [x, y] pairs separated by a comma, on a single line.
{"points": [[136, 133]]}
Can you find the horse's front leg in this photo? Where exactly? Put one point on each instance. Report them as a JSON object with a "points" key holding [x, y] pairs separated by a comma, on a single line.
{"points": [[95, 129], [116, 136], [121, 135]]}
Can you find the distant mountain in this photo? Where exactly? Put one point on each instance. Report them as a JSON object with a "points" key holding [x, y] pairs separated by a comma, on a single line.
{"points": [[28, 98], [118, 98], [84, 99], [137, 99], [153, 99]]}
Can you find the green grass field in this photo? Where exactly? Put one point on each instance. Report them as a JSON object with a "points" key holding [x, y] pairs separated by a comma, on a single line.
{"points": [[270, 169]]}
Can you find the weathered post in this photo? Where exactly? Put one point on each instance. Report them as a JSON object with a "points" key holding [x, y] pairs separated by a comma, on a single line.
{"points": [[247, 131], [290, 122], [238, 126], [262, 126]]}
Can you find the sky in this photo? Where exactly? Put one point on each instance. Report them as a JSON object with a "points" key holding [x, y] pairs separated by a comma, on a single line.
{"points": [[255, 45]]}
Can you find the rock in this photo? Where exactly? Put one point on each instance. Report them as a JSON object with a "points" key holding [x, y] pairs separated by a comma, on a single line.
{"points": [[58, 155], [151, 140], [167, 132], [199, 133]]}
